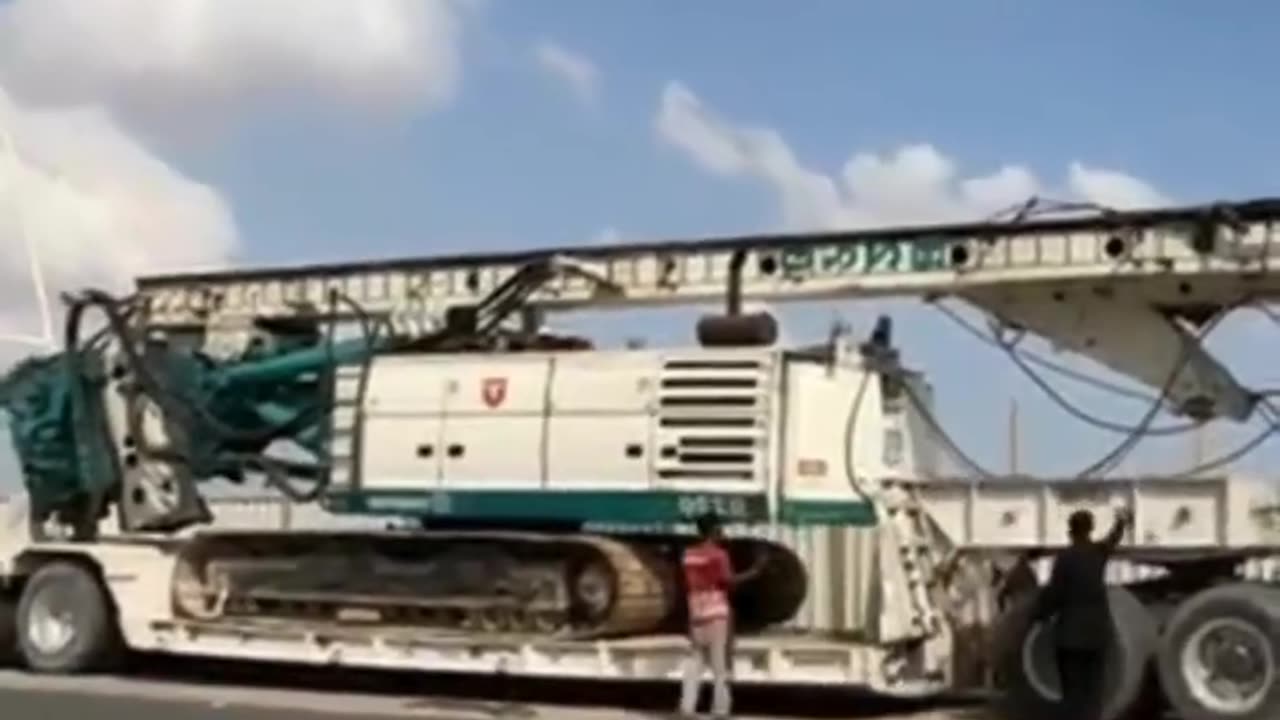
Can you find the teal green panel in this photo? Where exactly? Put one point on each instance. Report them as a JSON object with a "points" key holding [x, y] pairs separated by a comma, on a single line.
{"points": [[600, 507], [828, 512], [587, 506]]}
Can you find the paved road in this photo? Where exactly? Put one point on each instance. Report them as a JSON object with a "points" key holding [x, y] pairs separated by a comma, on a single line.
{"points": [[108, 698], [51, 705], [121, 699]]}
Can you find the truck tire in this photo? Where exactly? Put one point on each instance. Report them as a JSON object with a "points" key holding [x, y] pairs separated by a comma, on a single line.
{"points": [[66, 623], [1233, 632], [1027, 675]]}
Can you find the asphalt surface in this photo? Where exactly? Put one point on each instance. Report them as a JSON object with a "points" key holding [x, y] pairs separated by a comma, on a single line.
{"points": [[28, 697], [51, 705], [230, 691], [124, 699]]}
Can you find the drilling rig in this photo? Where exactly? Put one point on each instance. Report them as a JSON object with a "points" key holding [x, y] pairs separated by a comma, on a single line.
{"points": [[550, 483]]}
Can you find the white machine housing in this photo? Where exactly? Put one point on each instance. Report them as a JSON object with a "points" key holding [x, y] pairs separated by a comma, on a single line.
{"points": [[753, 433]]}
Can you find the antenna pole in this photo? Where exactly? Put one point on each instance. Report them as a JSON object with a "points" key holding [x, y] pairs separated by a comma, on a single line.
{"points": [[33, 258]]}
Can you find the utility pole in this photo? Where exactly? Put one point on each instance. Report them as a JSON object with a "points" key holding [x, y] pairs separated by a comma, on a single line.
{"points": [[1013, 436], [14, 189], [1199, 444]]}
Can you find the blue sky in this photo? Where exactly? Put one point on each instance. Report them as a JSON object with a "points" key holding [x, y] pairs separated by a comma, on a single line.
{"points": [[1176, 96]]}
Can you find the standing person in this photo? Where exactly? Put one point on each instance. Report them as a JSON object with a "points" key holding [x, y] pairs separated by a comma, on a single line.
{"points": [[1076, 597], [709, 577]]}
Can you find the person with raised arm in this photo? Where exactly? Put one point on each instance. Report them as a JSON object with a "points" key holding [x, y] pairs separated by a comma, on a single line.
{"points": [[1075, 600]]}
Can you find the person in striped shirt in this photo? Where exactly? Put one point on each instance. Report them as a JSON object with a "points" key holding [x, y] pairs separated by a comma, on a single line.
{"points": [[709, 578]]}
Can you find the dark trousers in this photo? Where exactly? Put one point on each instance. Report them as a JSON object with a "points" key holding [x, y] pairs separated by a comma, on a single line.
{"points": [[1082, 674]]}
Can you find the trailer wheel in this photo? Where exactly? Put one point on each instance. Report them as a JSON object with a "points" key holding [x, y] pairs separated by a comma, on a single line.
{"points": [[65, 621], [1220, 655], [1027, 673]]}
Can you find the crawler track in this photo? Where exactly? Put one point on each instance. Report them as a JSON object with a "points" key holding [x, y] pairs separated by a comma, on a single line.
{"points": [[576, 586]]}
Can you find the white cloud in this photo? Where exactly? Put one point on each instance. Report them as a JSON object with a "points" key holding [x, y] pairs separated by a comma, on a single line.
{"points": [[573, 69], [914, 184], [99, 208], [98, 205], [192, 58], [1108, 187]]}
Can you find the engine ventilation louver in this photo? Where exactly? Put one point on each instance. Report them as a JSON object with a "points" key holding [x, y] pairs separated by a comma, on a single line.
{"points": [[712, 419]]}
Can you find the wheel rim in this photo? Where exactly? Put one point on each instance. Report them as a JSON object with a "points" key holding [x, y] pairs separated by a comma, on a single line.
{"points": [[1037, 655], [1228, 665], [51, 623]]}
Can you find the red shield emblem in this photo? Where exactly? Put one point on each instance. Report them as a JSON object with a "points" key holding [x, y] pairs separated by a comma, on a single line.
{"points": [[493, 391]]}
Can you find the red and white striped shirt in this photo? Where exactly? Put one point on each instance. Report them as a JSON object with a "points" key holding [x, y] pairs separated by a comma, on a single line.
{"points": [[707, 574]]}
